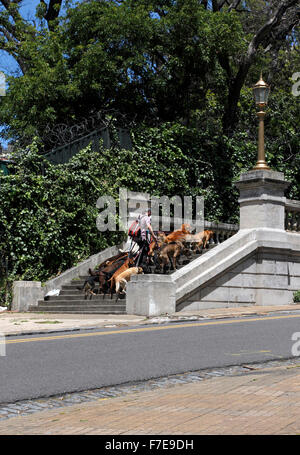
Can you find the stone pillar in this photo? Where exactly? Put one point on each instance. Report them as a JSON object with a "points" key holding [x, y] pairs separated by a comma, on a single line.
{"points": [[26, 293], [150, 295], [262, 200]]}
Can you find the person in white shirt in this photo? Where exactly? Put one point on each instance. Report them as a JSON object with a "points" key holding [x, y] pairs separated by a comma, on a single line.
{"points": [[146, 228], [146, 233], [134, 244]]}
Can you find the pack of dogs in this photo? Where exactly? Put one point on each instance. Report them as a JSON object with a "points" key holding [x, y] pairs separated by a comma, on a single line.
{"points": [[113, 274]]}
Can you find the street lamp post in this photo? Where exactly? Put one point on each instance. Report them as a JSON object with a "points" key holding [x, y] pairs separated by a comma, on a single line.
{"points": [[261, 92]]}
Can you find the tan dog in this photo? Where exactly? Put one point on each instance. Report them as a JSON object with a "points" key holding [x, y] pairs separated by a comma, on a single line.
{"points": [[124, 277], [179, 234], [200, 239], [127, 264], [171, 252]]}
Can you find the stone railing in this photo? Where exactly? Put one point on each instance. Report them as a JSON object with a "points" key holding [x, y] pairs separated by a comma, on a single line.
{"points": [[292, 215], [222, 231]]}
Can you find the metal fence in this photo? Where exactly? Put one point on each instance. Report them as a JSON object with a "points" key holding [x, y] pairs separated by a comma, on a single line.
{"points": [[65, 152]]}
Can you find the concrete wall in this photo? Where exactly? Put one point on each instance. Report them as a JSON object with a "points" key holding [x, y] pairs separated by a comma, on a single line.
{"points": [[263, 278], [262, 200], [254, 267]]}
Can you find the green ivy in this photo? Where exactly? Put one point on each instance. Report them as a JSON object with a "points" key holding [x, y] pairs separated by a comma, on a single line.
{"points": [[297, 297]]}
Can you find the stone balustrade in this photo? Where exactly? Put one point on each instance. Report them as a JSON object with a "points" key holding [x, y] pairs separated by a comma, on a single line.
{"points": [[222, 231], [292, 215]]}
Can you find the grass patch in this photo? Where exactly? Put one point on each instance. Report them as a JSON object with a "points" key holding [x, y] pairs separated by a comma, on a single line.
{"points": [[47, 322]]}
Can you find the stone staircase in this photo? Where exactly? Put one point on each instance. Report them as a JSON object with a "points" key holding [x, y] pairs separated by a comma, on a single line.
{"points": [[71, 300]]}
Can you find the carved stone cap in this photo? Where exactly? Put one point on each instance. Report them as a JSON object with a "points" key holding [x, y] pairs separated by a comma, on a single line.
{"points": [[262, 177]]}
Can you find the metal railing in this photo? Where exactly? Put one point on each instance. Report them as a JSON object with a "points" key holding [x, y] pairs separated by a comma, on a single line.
{"points": [[64, 153], [292, 215]]}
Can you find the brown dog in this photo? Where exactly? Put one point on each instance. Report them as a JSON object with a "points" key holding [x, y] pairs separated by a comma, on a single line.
{"points": [[161, 240], [124, 277], [179, 234], [171, 252], [106, 263], [107, 272]]}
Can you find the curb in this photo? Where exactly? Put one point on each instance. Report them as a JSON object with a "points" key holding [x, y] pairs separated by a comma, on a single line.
{"points": [[156, 320], [170, 319], [44, 332]]}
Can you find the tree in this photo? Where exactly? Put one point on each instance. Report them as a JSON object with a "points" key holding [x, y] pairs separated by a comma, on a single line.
{"points": [[15, 29], [120, 56], [269, 36], [155, 61]]}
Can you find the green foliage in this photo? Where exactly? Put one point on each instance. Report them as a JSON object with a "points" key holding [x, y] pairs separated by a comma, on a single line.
{"points": [[48, 222], [156, 61], [44, 95], [297, 297], [174, 160], [107, 55]]}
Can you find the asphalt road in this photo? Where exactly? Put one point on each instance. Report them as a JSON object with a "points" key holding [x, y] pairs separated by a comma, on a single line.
{"points": [[44, 365]]}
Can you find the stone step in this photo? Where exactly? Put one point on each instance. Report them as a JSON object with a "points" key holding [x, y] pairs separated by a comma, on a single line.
{"points": [[74, 292], [79, 310], [83, 306], [106, 301], [79, 296], [109, 305], [71, 286]]}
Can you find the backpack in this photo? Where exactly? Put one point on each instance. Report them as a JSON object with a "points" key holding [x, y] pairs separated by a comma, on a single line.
{"points": [[135, 229]]}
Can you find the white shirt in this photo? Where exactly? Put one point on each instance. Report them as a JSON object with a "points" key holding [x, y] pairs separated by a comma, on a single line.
{"points": [[145, 220]]}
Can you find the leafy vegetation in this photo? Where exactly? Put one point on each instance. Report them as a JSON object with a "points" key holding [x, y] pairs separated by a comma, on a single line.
{"points": [[155, 61], [297, 296]]}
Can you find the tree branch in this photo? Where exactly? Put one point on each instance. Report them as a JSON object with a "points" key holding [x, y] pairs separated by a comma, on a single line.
{"points": [[266, 29], [215, 6], [266, 35], [52, 12], [204, 3], [12, 11]]}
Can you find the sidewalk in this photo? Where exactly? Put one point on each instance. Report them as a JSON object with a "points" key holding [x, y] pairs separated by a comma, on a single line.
{"points": [[265, 401], [12, 323]]}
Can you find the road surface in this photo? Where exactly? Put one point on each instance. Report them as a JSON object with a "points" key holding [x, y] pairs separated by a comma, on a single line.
{"points": [[44, 365]]}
